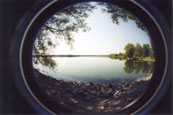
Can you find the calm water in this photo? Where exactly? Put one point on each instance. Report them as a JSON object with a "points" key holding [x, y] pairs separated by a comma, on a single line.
{"points": [[95, 69]]}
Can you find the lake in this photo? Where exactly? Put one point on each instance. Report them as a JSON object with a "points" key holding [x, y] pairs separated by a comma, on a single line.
{"points": [[95, 69]]}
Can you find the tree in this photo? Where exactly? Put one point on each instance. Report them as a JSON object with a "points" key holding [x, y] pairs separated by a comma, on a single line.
{"points": [[60, 27], [72, 19], [46, 61], [129, 50], [146, 50], [138, 51], [64, 23], [120, 13]]}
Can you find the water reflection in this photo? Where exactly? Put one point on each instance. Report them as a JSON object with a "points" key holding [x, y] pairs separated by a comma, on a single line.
{"points": [[131, 66], [95, 69], [108, 85]]}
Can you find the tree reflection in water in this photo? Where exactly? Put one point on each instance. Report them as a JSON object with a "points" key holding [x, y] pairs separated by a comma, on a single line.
{"points": [[132, 65]]}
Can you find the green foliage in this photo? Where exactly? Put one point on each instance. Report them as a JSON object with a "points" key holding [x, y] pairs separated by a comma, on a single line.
{"points": [[113, 56], [120, 13], [129, 50], [72, 19], [146, 50], [61, 26], [137, 66], [45, 61], [119, 56], [138, 51]]}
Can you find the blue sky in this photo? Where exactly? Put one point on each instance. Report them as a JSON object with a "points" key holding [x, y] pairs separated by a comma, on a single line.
{"points": [[105, 37]]}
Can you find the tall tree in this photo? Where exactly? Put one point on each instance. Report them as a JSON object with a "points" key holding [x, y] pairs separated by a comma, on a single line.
{"points": [[138, 51], [146, 50], [129, 50], [60, 27]]}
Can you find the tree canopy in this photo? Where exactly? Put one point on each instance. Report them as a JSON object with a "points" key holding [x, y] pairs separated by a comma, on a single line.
{"points": [[129, 50], [138, 51], [146, 50], [72, 19], [61, 26], [121, 13], [132, 51]]}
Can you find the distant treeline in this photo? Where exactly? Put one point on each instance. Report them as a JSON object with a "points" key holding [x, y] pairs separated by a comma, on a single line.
{"points": [[70, 55], [137, 51], [132, 51]]}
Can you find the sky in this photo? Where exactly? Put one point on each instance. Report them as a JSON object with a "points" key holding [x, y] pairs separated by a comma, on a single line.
{"points": [[105, 37]]}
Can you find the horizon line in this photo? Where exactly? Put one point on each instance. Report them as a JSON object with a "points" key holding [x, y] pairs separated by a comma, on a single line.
{"points": [[66, 55]]}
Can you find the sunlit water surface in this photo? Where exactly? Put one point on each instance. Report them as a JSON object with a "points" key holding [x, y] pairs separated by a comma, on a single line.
{"points": [[95, 69]]}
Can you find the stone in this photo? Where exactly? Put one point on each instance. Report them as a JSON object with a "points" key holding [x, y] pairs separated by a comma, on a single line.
{"points": [[93, 96], [129, 91], [79, 92], [79, 82], [92, 91], [102, 89], [88, 98], [109, 90], [129, 99], [87, 85], [110, 85], [83, 87], [53, 91], [115, 102], [85, 93], [89, 107], [91, 83], [75, 90], [105, 95], [100, 107], [57, 84], [103, 102], [61, 81], [48, 93], [98, 93], [73, 100], [116, 93]]}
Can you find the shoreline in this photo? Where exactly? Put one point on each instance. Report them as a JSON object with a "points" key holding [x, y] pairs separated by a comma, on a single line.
{"points": [[80, 97]]}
